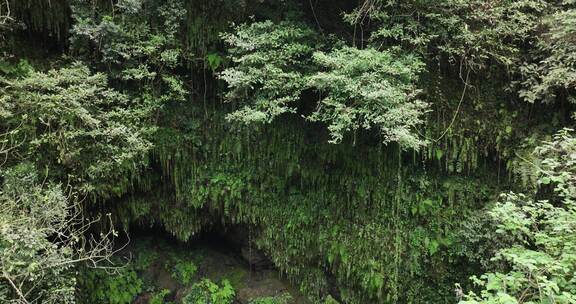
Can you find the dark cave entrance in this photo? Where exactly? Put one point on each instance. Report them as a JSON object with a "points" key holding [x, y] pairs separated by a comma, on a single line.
{"points": [[234, 241], [218, 254]]}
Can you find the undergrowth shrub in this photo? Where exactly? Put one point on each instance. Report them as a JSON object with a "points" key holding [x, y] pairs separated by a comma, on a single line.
{"points": [[207, 291], [184, 271], [158, 298], [100, 286], [280, 299]]}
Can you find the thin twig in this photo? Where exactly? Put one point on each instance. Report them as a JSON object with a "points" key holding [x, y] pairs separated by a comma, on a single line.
{"points": [[16, 289]]}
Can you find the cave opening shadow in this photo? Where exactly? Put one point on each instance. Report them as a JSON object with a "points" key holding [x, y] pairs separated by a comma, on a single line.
{"points": [[217, 254], [233, 241]]}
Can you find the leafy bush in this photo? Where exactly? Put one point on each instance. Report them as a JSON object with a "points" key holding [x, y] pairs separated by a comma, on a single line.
{"points": [[100, 286], [272, 62], [21, 69], [184, 271], [207, 291], [541, 263], [330, 300], [144, 258], [33, 268], [138, 41], [70, 121], [158, 298]]}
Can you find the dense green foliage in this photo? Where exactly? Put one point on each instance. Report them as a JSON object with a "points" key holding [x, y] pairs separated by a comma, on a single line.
{"points": [[59, 127], [369, 89], [31, 213], [299, 206], [100, 286], [159, 297], [362, 145], [271, 68], [76, 127], [184, 271], [207, 291], [542, 258], [363, 88]]}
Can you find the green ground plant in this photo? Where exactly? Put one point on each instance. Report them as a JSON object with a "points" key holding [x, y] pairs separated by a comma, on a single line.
{"points": [[207, 291], [158, 298], [101, 286], [184, 271]]}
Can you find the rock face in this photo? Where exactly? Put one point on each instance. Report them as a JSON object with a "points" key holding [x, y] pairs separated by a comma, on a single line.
{"points": [[256, 258], [261, 284], [238, 237]]}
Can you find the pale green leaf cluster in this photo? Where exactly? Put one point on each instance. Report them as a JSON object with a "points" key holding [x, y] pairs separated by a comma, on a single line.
{"points": [[359, 89], [207, 291], [34, 222], [284, 298], [272, 62], [553, 73], [369, 89], [137, 50], [70, 121]]}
